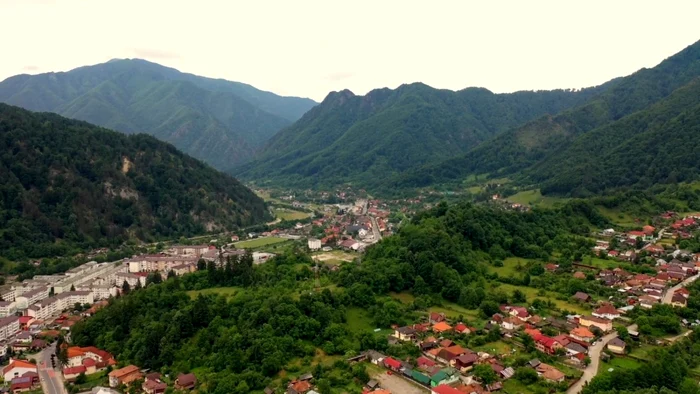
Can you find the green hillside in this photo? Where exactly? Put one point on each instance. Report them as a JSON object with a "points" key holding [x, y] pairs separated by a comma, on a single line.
{"points": [[524, 146], [67, 184], [220, 122], [362, 139]]}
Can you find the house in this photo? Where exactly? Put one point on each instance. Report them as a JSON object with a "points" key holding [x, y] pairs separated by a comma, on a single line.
{"points": [[298, 387], [462, 328], [444, 389], [154, 385], [574, 348], [124, 375], [423, 362], [185, 381], [607, 311], [683, 291], [420, 378], [436, 317], [613, 253], [579, 275], [604, 325], [17, 368], [444, 377], [582, 334], [511, 323], [441, 327], [617, 345], [547, 345], [581, 296], [552, 374], [466, 361], [24, 383], [647, 301], [71, 373], [405, 333], [679, 301], [392, 363]]}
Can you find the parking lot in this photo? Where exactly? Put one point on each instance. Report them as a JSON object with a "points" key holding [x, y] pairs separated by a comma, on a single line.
{"points": [[397, 384]]}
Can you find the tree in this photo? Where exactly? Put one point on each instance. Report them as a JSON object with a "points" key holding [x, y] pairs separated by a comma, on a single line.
{"points": [[126, 288], [153, 277], [138, 285], [489, 308], [526, 375], [171, 274], [485, 373], [72, 287], [529, 343], [201, 265], [80, 379], [519, 297]]}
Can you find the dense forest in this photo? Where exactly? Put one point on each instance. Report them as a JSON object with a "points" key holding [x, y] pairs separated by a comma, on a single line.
{"points": [[66, 184], [549, 136], [217, 121], [367, 138]]}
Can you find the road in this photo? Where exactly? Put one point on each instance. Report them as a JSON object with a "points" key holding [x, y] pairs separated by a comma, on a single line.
{"points": [[594, 351], [375, 229], [668, 295], [51, 380], [594, 354]]}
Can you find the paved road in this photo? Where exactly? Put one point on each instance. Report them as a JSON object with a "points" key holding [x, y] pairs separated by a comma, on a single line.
{"points": [[375, 229], [594, 354], [668, 295], [51, 380]]}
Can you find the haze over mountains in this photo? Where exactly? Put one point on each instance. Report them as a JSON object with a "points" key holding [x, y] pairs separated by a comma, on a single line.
{"points": [[220, 122]]}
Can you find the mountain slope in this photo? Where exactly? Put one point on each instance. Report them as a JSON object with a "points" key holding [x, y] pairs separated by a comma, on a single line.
{"points": [[218, 121], [654, 146], [66, 183], [526, 145], [349, 138]]}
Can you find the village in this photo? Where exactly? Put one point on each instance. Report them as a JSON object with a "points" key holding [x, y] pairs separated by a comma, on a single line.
{"points": [[563, 350]]}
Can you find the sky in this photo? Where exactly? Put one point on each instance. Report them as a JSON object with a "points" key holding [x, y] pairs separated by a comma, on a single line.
{"points": [[309, 48]]}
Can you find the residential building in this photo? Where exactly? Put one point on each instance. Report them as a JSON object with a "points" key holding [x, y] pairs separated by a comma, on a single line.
{"points": [[617, 345], [30, 297], [9, 326], [17, 368], [124, 375], [7, 308], [188, 250], [582, 334], [185, 381], [592, 321], [607, 311], [314, 244]]}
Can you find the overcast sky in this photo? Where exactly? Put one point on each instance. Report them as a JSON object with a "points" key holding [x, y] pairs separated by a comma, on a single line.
{"points": [[308, 48]]}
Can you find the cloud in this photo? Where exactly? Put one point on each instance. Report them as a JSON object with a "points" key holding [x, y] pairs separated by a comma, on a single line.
{"points": [[154, 53], [340, 75], [30, 68]]}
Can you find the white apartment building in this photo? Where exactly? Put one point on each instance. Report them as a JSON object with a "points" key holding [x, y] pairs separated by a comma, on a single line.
{"points": [[86, 273], [9, 326], [130, 278], [7, 308], [161, 263], [31, 297], [188, 250], [314, 244], [9, 294], [54, 305]]}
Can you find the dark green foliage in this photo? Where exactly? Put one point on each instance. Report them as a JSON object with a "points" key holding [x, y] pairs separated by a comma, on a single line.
{"points": [[364, 139], [529, 144], [218, 121], [67, 184]]}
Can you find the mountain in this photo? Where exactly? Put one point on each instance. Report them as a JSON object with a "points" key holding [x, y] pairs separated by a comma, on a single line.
{"points": [[66, 184], [363, 139], [519, 148], [220, 122], [658, 145]]}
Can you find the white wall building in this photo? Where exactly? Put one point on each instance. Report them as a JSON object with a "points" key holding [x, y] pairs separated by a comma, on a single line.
{"points": [[9, 326], [314, 244]]}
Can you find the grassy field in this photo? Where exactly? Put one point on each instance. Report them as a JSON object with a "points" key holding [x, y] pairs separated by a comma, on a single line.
{"points": [[618, 217], [495, 348], [359, 321], [288, 214], [531, 294], [453, 311], [258, 242], [618, 363], [509, 266], [534, 197], [228, 292], [406, 298], [335, 257]]}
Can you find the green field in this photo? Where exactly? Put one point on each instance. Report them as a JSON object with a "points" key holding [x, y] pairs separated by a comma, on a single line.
{"points": [[616, 363], [496, 348], [617, 216], [453, 311], [534, 197], [359, 321], [509, 266], [531, 294], [227, 292], [405, 298], [258, 242], [288, 214]]}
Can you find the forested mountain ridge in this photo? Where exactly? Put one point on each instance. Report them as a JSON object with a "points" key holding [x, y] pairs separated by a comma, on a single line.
{"points": [[349, 138], [217, 121], [524, 146], [66, 184]]}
